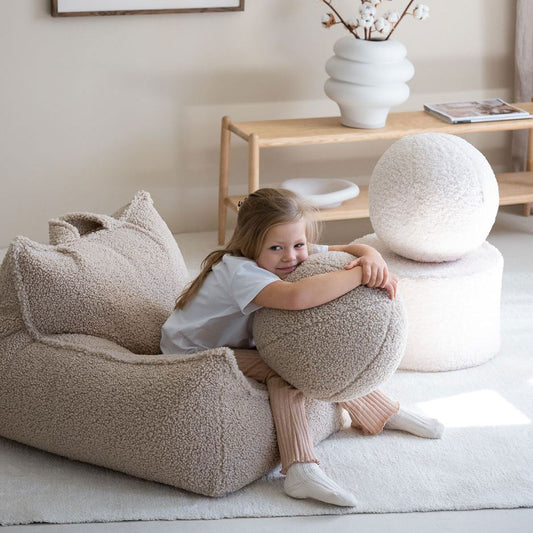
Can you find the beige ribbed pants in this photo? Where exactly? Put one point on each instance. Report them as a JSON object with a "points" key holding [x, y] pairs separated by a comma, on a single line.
{"points": [[368, 413]]}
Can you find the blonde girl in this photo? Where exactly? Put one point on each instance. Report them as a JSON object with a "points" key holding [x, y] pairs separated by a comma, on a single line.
{"points": [[275, 232]]}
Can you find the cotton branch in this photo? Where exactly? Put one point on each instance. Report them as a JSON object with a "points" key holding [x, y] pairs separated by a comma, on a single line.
{"points": [[403, 15], [346, 25]]}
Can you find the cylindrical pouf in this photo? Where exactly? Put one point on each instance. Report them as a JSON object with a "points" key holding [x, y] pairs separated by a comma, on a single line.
{"points": [[433, 197], [453, 308], [337, 351]]}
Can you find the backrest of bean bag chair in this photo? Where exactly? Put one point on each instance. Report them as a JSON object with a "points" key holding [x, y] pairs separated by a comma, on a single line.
{"points": [[115, 277]]}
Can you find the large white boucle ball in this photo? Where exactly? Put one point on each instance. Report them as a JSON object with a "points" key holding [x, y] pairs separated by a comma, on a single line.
{"points": [[433, 197]]}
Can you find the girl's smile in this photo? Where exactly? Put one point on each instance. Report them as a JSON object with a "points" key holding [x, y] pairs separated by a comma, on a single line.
{"points": [[285, 247]]}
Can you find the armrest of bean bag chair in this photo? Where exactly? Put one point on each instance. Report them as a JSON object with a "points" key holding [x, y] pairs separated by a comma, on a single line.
{"points": [[194, 422]]}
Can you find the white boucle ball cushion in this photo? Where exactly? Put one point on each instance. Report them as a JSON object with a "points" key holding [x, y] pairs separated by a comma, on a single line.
{"points": [[433, 197], [339, 350]]}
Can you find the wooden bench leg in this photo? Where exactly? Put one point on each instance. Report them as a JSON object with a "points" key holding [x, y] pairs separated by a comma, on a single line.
{"points": [[253, 163], [529, 165], [223, 182]]}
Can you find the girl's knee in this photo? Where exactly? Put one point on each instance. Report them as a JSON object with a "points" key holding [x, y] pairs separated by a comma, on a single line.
{"points": [[252, 366]]}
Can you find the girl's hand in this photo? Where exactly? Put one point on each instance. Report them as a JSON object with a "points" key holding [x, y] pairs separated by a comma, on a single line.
{"points": [[391, 286], [375, 271]]}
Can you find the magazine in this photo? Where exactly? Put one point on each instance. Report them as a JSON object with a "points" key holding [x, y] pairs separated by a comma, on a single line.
{"points": [[476, 111]]}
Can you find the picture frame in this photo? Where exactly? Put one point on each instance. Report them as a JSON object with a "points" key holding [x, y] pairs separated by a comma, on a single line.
{"points": [[77, 8]]}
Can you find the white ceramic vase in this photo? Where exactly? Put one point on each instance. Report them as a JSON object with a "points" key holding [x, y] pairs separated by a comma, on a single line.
{"points": [[366, 79]]}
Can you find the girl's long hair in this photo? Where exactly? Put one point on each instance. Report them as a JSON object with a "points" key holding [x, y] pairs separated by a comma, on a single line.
{"points": [[260, 211]]}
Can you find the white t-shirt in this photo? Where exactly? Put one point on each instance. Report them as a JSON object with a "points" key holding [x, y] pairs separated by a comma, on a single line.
{"points": [[221, 312]]}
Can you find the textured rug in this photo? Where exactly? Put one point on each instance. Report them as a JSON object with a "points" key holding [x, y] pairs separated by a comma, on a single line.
{"points": [[484, 459]]}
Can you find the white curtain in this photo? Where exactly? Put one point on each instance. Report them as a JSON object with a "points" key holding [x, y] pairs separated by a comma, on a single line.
{"points": [[523, 75]]}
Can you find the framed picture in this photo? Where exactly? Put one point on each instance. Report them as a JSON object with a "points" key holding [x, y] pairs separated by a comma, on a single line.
{"points": [[76, 8]]}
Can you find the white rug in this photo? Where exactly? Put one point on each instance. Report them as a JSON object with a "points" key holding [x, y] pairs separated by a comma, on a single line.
{"points": [[485, 459]]}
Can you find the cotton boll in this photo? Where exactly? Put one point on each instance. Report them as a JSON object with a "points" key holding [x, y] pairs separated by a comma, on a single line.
{"points": [[421, 12], [382, 25], [392, 16]]}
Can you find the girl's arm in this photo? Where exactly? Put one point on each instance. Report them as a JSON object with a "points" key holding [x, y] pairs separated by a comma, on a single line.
{"points": [[316, 290], [310, 292], [368, 269], [375, 271]]}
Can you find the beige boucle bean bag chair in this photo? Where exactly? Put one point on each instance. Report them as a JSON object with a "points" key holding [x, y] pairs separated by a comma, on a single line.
{"points": [[80, 373], [337, 351]]}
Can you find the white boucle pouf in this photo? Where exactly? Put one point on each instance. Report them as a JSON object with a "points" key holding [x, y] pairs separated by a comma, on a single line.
{"points": [[453, 308], [433, 197]]}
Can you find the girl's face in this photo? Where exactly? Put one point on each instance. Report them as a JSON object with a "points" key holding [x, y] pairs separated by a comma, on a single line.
{"points": [[285, 247]]}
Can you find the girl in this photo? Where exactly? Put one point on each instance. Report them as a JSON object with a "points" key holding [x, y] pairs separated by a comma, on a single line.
{"points": [[275, 229]]}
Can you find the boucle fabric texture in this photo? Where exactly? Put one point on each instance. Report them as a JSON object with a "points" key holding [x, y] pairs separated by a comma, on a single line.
{"points": [[194, 422], [433, 197], [453, 308], [115, 277], [337, 351], [483, 460]]}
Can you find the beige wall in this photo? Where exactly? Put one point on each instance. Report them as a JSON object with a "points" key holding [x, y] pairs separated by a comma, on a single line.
{"points": [[94, 108]]}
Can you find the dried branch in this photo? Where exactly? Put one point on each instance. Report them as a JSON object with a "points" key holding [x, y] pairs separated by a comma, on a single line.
{"points": [[346, 25], [403, 15]]}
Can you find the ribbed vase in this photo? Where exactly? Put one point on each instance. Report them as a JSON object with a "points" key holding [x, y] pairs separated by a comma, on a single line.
{"points": [[366, 79]]}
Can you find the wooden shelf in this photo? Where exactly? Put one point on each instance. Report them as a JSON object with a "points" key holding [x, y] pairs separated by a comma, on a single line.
{"points": [[354, 208], [515, 188], [325, 130]]}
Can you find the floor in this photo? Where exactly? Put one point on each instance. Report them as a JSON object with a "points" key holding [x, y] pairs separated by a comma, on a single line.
{"points": [[513, 235]]}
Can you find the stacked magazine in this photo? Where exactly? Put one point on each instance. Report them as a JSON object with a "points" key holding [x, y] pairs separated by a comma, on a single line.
{"points": [[476, 111]]}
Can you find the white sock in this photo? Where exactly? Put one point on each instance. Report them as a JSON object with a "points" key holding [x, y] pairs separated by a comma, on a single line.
{"points": [[419, 425], [307, 480]]}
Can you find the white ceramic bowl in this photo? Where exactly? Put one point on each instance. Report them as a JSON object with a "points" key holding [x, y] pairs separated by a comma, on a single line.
{"points": [[322, 193]]}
